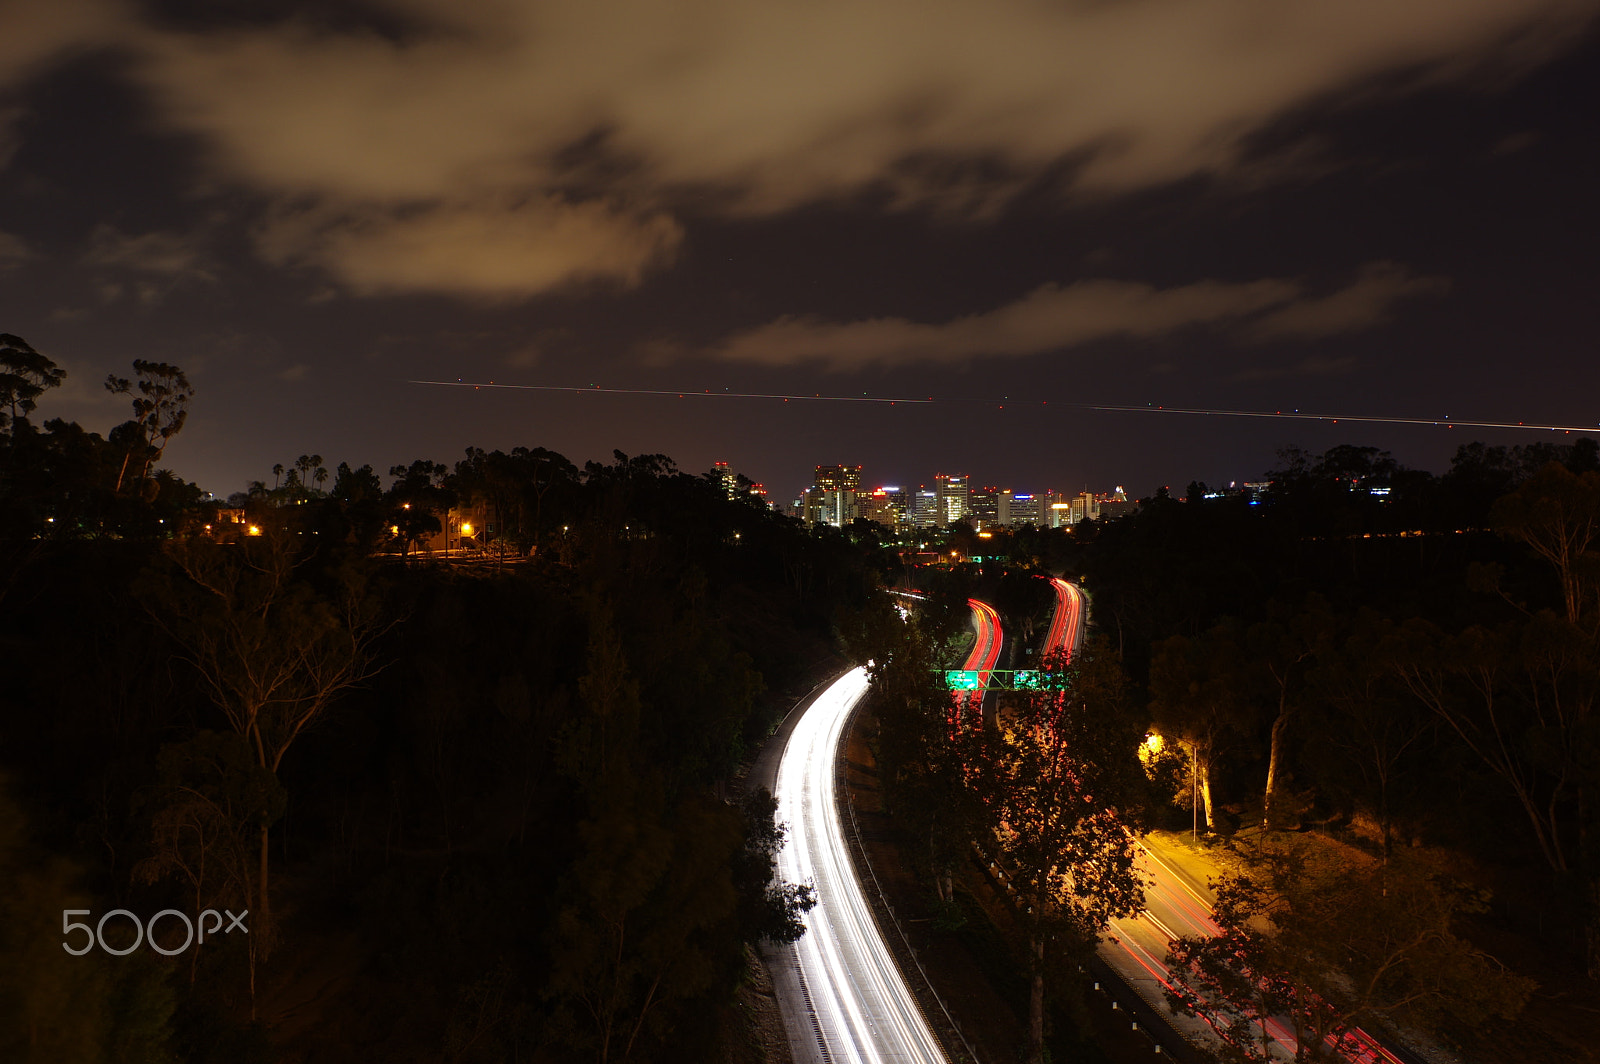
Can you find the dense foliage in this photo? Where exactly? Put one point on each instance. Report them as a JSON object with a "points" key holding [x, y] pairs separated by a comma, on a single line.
{"points": [[478, 809]]}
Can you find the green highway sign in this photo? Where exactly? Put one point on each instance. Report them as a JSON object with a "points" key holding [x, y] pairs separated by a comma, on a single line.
{"points": [[1001, 680]]}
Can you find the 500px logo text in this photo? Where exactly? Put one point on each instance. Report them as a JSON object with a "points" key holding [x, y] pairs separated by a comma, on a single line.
{"points": [[96, 935]]}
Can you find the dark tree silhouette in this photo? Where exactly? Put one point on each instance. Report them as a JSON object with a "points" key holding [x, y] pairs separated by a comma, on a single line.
{"points": [[25, 375], [159, 411]]}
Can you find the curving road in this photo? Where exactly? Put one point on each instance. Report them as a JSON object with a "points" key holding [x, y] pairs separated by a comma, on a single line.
{"points": [[985, 652], [1066, 624], [858, 1007], [1176, 903]]}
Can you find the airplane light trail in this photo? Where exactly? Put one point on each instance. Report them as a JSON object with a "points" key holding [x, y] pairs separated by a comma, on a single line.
{"points": [[1296, 415], [1001, 403], [703, 394]]}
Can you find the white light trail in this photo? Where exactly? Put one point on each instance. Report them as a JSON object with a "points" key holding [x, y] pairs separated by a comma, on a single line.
{"points": [[1004, 401], [865, 1013], [692, 393]]}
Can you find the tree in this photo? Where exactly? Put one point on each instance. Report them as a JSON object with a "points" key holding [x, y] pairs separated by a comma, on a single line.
{"points": [[922, 756], [1200, 694], [273, 649], [1519, 696], [1557, 514], [1363, 716], [652, 882], [212, 801], [417, 498], [56, 1008], [25, 375], [1327, 941], [1278, 655], [159, 411], [308, 468], [771, 910], [1023, 598], [1065, 791]]}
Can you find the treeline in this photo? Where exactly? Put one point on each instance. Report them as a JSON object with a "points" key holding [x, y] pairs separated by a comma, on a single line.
{"points": [[1372, 689], [1411, 659], [476, 813], [60, 480]]}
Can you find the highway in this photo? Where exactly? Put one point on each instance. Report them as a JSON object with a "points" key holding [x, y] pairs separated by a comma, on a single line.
{"points": [[985, 652], [1176, 903], [858, 1009], [1066, 624], [842, 994]]}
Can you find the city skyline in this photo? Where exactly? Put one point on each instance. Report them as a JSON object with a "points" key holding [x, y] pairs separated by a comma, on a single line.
{"points": [[1357, 210], [838, 495]]}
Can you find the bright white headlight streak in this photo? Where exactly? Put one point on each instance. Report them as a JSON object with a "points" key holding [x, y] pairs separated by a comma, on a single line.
{"points": [[864, 1010]]}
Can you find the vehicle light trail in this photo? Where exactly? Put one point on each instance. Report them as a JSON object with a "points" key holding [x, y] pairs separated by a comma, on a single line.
{"points": [[863, 1010], [1138, 947], [985, 652], [1066, 624]]}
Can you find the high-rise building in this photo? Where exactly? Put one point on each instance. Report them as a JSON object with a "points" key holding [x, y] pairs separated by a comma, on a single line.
{"points": [[1116, 504], [984, 507], [881, 506], [831, 500], [1055, 510], [838, 477], [729, 479], [924, 506], [955, 496], [900, 500]]}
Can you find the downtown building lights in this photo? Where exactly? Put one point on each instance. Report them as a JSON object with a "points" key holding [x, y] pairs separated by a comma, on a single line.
{"points": [[837, 497]]}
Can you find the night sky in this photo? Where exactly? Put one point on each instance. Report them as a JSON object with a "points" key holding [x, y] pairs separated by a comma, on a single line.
{"points": [[1359, 207]]}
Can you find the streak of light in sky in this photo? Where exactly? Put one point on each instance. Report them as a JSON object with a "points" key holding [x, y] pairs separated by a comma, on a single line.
{"points": [[1150, 408]]}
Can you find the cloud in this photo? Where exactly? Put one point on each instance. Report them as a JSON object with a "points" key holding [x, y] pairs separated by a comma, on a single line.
{"points": [[574, 126], [488, 250], [1311, 366], [172, 255], [1363, 305], [777, 103], [39, 32], [1055, 317], [146, 266], [13, 251]]}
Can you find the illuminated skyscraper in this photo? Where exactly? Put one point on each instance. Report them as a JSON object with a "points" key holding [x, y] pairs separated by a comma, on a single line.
{"points": [[885, 506], [954, 496], [832, 497], [984, 507], [730, 480]]}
